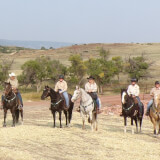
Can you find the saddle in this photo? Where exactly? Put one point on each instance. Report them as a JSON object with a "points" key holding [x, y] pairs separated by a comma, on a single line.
{"points": [[94, 98]]}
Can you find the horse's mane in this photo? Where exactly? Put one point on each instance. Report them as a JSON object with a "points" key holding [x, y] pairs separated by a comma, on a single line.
{"points": [[86, 94]]}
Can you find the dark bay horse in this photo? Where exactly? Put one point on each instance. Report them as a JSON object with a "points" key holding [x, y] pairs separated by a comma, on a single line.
{"points": [[131, 109], [11, 102], [58, 104]]}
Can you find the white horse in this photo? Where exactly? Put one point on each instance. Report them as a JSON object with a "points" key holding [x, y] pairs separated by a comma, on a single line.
{"points": [[86, 107]]}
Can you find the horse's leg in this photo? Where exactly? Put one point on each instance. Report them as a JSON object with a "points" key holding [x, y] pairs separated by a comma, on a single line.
{"points": [[140, 123], [65, 113], [125, 124], [136, 124], [159, 128], [91, 119], [54, 119], [132, 125], [60, 113], [83, 120], [154, 125], [95, 121], [21, 111], [5, 115], [14, 117]]}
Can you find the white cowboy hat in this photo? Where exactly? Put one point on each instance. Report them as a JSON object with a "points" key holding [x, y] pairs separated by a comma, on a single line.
{"points": [[12, 75]]}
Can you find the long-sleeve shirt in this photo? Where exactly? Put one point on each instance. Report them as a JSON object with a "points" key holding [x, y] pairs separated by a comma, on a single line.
{"points": [[14, 83], [91, 87], [133, 89], [61, 86], [154, 91]]}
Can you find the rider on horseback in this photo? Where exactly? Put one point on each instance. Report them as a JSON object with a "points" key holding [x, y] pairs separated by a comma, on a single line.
{"points": [[133, 90], [154, 91], [91, 89], [61, 87], [14, 83]]}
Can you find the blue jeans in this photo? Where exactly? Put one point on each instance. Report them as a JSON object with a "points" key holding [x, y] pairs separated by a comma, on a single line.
{"points": [[149, 105], [97, 101], [65, 94], [140, 104]]}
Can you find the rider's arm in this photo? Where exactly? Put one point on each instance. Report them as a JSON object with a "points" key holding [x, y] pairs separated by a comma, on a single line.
{"points": [[129, 90], [94, 89], [152, 92], [56, 87], [137, 91], [64, 87], [86, 87]]}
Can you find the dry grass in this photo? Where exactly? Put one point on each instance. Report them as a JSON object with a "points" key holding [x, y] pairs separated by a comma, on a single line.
{"points": [[36, 139]]}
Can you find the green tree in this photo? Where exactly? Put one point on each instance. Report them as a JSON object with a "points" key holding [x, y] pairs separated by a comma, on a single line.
{"points": [[118, 64], [39, 70], [137, 67], [77, 69]]}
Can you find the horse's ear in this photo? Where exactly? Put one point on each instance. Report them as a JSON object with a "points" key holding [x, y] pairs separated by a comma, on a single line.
{"points": [[77, 87]]}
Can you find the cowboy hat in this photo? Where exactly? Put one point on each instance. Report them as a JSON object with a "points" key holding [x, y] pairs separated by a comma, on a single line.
{"points": [[90, 77], [12, 75]]}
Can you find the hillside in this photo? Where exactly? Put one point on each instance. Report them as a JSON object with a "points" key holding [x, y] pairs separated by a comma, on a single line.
{"points": [[150, 50], [33, 44]]}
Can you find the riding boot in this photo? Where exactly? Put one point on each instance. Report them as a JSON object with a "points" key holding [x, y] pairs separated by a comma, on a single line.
{"points": [[20, 107], [1, 106], [78, 109], [147, 112]]}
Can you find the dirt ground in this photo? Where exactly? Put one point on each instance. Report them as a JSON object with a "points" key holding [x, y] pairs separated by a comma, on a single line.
{"points": [[37, 139]]}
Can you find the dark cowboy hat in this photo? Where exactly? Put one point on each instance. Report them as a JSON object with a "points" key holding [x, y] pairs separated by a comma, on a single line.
{"points": [[61, 76], [134, 80], [90, 77], [157, 82]]}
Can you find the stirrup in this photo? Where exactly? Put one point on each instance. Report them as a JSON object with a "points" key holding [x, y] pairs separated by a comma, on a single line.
{"points": [[20, 107]]}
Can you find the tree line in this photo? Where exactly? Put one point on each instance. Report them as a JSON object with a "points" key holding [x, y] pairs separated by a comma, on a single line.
{"points": [[104, 69]]}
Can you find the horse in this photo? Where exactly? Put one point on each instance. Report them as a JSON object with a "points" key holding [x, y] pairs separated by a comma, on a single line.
{"points": [[58, 104], [154, 113], [11, 102], [132, 110], [87, 107]]}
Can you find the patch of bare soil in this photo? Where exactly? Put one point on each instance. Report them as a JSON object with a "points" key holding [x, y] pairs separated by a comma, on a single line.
{"points": [[37, 139]]}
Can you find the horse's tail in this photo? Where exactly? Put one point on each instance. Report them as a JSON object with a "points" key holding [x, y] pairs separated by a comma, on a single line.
{"points": [[17, 115], [70, 111]]}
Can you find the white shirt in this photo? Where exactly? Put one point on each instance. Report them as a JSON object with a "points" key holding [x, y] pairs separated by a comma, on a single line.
{"points": [[91, 87], [133, 89]]}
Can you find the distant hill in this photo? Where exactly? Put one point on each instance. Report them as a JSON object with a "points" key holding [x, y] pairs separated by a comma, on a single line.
{"points": [[33, 44]]}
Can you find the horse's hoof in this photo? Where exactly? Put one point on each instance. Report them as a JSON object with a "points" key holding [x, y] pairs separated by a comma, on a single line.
{"points": [[4, 125], [22, 123], [60, 126], [13, 125]]}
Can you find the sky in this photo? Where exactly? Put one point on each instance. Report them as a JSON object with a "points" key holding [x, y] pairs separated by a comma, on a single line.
{"points": [[81, 21]]}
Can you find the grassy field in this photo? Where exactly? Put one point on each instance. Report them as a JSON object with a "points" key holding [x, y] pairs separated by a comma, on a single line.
{"points": [[36, 139], [150, 50]]}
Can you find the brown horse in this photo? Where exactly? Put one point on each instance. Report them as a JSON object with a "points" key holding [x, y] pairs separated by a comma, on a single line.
{"points": [[58, 104], [11, 101], [154, 113]]}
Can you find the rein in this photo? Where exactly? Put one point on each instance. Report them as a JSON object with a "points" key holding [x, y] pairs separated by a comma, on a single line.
{"points": [[127, 109], [54, 104], [9, 100], [87, 105]]}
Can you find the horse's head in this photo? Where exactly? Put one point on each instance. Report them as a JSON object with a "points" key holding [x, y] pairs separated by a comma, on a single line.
{"points": [[8, 88], [76, 94], [46, 92], [124, 96], [157, 100]]}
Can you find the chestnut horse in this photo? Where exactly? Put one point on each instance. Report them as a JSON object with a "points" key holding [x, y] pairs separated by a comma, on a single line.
{"points": [[154, 113]]}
